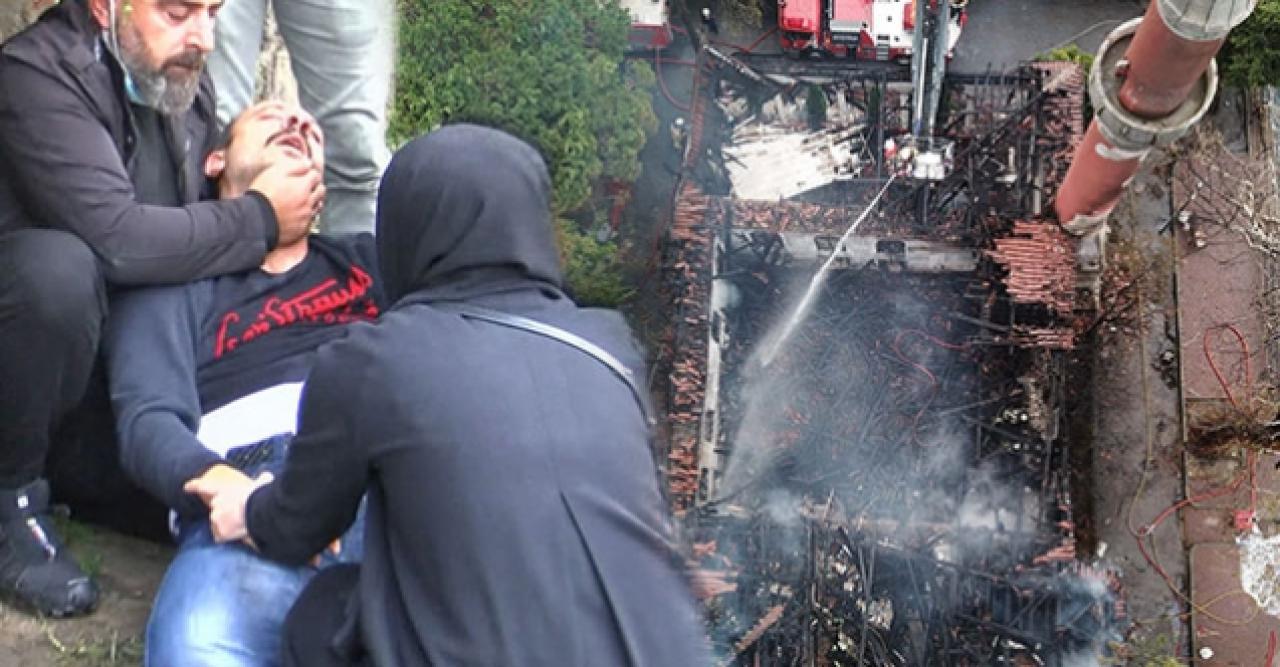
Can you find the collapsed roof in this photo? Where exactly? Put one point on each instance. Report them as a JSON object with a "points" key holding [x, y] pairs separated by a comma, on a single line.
{"points": [[892, 488]]}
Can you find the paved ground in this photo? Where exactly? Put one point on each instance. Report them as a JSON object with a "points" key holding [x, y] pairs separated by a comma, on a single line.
{"points": [[1151, 376], [1005, 32], [1136, 442], [1221, 285]]}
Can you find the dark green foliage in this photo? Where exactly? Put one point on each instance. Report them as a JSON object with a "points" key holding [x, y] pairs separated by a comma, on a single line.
{"points": [[1070, 53], [1251, 56], [591, 268], [744, 13], [550, 71]]}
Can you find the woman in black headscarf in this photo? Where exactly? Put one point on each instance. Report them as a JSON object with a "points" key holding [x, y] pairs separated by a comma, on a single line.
{"points": [[514, 511]]}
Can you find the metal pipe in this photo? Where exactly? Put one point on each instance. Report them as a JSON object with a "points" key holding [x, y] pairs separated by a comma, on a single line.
{"points": [[1153, 79], [917, 53], [1097, 175], [1163, 66], [917, 122], [937, 65]]}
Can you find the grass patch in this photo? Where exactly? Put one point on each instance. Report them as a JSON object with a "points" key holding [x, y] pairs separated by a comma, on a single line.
{"points": [[1155, 650], [82, 540], [108, 651]]}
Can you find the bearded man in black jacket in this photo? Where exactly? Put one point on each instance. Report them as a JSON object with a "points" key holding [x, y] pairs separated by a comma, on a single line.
{"points": [[106, 116], [514, 513]]}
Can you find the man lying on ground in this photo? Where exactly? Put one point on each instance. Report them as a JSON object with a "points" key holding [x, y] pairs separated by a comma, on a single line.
{"points": [[205, 379], [514, 514]]}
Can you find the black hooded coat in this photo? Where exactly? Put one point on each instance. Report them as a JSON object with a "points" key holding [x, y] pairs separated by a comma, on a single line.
{"points": [[514, 512]]}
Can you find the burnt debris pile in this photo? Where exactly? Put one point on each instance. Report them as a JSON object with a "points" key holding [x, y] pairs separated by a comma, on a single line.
{"points": [[892, 487]]}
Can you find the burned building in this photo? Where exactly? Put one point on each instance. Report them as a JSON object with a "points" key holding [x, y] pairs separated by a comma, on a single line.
{"points": [[866, 375]]}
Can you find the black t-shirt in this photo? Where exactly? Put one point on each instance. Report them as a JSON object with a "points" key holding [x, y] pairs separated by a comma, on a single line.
{"points": [[177, 353], [260, 329]]}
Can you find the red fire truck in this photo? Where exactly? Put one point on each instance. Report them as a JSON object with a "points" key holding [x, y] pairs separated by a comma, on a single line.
{"points": [[800, 26], [864, 29]]}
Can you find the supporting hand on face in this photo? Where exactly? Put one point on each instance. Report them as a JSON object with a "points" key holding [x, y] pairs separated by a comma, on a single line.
{"points": [[296, 191]]}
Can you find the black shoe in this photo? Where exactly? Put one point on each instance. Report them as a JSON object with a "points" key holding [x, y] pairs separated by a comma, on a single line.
{"points": [[34, 567]]}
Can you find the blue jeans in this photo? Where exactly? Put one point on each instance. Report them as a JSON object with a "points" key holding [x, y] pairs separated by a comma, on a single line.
{"points": [[220, 605], [223, 605]]}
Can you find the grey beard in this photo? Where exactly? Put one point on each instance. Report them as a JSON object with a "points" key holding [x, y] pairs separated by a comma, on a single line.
{"points": [[157, 91], [152, 87]]}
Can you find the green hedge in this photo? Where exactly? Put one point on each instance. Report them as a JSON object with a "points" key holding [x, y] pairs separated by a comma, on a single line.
{"points": [[550, 71], [1251, 56]]}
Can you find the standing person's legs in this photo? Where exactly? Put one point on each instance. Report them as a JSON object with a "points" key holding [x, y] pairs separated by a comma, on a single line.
{"points": [[343, 58], [234, 62], [52, 304], [220, 605]]}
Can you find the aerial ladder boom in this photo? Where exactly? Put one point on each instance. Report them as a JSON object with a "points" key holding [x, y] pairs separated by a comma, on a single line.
{"points": [[1153, 79]]}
